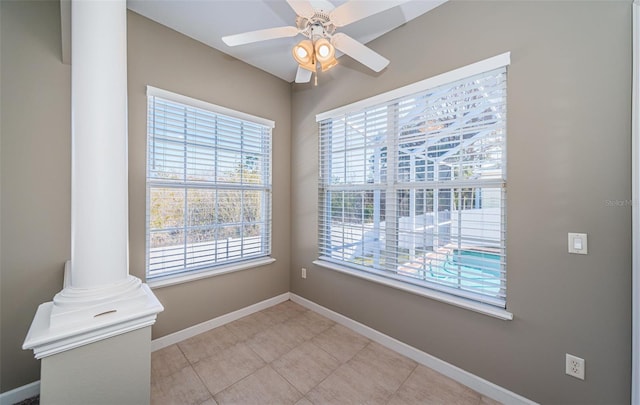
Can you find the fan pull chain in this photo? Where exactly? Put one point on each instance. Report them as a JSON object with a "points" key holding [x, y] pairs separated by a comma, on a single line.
{"points": [[315, 83]]}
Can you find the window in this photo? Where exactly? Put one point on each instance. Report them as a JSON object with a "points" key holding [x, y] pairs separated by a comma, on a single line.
{"points": [[208, 186], [412, 184]]}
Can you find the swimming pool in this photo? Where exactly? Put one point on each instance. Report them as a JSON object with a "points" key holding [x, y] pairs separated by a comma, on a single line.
{"points": [[467, 268]]}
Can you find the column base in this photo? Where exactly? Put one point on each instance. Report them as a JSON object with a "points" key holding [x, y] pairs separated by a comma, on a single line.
{"points": [[116, 370], [79, 317]]}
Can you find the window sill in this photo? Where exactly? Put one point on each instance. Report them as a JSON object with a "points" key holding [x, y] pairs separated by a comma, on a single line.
{"points": [[435, 295], [165, 281]]}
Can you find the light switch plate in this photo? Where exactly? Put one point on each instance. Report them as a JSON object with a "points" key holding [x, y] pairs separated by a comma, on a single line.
{"points": [[578, 243]]}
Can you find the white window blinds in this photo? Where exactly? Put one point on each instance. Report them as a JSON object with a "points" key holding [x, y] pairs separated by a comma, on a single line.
{"points": [[208, 185], [413, 188]]}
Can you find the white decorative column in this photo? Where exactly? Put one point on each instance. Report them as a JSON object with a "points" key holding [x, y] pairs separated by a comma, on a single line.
{"points": [[101, 308], [99, 144]]}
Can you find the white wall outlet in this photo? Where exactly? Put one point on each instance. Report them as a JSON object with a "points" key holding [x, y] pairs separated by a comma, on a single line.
{"points": [[578, 243], [575, 366], [304, 273]]}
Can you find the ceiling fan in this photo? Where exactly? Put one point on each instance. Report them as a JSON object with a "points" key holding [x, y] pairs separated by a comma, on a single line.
{"points": [[319, 26]]}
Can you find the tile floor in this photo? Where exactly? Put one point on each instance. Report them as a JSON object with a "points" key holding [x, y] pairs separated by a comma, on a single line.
{"points": [[287, 354]]}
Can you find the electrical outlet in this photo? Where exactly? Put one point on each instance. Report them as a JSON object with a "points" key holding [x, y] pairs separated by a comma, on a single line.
{"points": [[304, 273], [575, 366]]}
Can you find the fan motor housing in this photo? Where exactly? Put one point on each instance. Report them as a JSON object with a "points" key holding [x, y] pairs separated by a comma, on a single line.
{"points": [[317, 26]]}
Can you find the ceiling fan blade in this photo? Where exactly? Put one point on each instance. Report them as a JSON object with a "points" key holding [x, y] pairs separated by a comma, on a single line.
{"points": [[303, 8], [322, 5], [355, 10], [260, 35], [303, 75], [359, 52]]}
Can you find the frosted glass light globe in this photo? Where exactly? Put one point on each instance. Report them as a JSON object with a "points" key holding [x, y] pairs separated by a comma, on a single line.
{"points": [[302, 53], [324, 51]]}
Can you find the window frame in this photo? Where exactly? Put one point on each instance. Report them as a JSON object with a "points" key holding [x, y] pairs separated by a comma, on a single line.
{"points": [[367, 272], [186, 274]]}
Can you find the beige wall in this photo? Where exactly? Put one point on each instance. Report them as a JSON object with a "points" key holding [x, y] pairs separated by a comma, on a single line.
{"points": [[36, 176], [162, 58], [569, 92], [36, 169]]}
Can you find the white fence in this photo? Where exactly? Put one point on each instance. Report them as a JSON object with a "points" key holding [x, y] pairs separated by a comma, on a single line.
{"points": [[477, 227]]}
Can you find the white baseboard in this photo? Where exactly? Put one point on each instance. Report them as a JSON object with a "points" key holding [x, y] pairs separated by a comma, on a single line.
{"points": [[20, 393], [33, 389], [192, 331], [472, 381]]}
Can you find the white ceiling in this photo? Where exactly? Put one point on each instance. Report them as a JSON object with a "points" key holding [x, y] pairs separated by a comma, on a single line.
{"points": [[209, 20]]}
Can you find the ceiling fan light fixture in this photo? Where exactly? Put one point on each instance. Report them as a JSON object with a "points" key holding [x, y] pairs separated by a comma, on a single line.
{"points": [[303, 52], [328, 64], [322, 41], [325, 54], [324, 50]]}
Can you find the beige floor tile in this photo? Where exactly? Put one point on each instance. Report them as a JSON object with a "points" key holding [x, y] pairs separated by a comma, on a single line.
{"points": [[167, 361], [294, 306], [428, 386], [278, 340], [180, 388], [347, 386], [295, 330], [227, 367], [284, 311], [305, 366], [303, 401], [312, 321], [342, 343], [265, 386], [207, 344], [287, 354], [385, 367], [246, 327]]}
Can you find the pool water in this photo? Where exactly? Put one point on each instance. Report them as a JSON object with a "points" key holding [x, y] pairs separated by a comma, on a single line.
{"points": [[477, 268]]}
